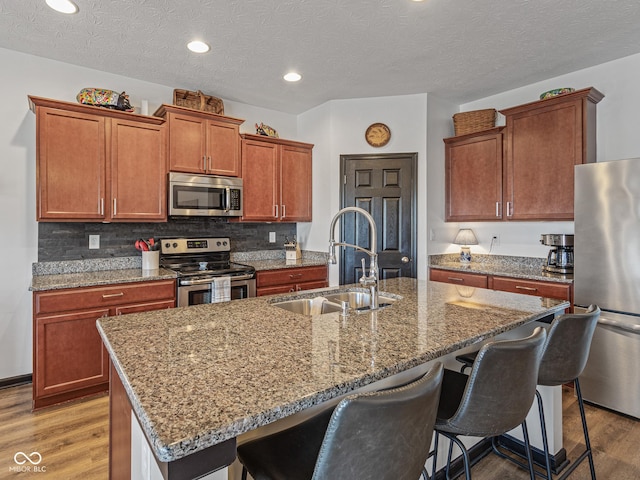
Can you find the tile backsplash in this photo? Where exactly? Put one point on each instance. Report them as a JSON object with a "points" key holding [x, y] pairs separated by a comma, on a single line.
{"points": [[70, 241]]}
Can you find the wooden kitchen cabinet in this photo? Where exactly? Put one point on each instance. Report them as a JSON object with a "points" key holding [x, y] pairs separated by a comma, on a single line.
{"points": [[202, 142], [473, 176], [538, 288], [525, 170], [287, 280], [69, 359], [277, 179], [96, 164]]}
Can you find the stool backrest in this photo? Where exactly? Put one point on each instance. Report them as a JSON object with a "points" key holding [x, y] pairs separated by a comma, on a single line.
{"points": [[382, 435], [501, 386], [567, 347]]}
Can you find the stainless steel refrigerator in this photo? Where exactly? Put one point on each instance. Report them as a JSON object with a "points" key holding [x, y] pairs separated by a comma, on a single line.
{"points": [[607, 273]]}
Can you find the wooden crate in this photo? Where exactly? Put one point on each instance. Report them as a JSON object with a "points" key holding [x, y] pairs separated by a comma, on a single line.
{"points": [[198, 101]]}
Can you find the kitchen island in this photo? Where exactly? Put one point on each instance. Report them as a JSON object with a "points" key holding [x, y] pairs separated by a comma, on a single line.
{"points": [[198, 377]]}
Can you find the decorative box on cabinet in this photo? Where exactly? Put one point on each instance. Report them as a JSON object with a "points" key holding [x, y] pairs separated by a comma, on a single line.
{"points": [[523, 171], [202, 142], [100, 165], [276, 174], [69, 360], [286, 280]]}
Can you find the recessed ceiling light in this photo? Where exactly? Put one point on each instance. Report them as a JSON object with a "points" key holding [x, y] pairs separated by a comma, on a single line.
{"points": [[292, 77], [198, 47], [63, 6]]}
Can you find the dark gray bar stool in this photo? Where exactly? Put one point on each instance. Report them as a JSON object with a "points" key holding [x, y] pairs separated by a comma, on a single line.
{"points": [[564, 357], [384, 435], [494, 398]]}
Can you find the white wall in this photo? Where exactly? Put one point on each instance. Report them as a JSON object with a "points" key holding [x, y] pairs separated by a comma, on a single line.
{"points": [[617, 138], [24, 75], [339, 127]]}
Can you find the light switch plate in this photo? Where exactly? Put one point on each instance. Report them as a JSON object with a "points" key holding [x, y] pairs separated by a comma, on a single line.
{"points": [[94, 242], [272, 237]]}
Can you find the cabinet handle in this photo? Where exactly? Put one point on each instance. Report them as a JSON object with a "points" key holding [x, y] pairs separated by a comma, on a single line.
{"points": [[509, 209], [204, 163], [115, 207], [102, 206], [209, 163], [113, 295], [295, 275], [284, 212], [528, 289], [498, 209], [455, 279], [276, 210]]}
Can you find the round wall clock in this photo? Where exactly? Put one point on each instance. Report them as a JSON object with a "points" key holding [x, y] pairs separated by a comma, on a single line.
{"points": [[377, 135]]}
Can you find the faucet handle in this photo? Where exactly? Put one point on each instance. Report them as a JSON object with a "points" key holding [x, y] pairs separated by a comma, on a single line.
{"points": [[364, 273]]}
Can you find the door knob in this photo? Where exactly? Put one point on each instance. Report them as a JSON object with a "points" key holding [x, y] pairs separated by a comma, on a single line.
{"points": [[405, 259]]}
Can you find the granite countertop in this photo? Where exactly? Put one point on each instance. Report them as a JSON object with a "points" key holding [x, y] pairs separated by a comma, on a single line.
{"points": [[208, 373], [95, 278], [517, 267], [276, 264]]}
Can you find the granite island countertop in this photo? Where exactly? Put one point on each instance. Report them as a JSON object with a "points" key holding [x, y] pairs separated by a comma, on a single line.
{"points": [[198, 376]]}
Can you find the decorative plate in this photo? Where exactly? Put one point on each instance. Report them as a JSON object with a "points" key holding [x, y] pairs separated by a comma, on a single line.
{"points": [[377, 135], [555, 92]]}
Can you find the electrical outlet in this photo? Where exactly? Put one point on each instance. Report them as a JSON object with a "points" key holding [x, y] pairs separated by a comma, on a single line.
{"points": [[272, 237], [495, 239], [94, 242]]}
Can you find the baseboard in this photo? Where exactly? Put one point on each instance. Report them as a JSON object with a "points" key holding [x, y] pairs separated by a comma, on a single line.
{"points": [[15, 381], [558, 461]]}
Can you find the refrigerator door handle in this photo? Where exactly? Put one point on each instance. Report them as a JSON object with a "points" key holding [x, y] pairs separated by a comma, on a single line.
{"points": [[621, 326]]}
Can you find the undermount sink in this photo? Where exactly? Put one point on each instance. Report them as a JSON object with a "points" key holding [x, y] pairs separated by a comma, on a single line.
{"points": [[308, 306], [357, 302]]}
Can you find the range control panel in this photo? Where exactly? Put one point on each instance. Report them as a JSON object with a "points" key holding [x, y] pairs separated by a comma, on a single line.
{"points": [[172, 246]]}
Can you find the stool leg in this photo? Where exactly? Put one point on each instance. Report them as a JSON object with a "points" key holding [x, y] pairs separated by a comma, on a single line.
{"points": [[585, 429], [465, 455], [545, 439], [527, 446], [435, 455], [244, 473]]}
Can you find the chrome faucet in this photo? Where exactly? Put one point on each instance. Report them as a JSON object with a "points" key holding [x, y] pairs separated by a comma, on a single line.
{"points": [[370, 281]]}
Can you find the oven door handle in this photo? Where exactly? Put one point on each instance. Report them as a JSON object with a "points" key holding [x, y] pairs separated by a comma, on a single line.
{"points": [[204, 281]]}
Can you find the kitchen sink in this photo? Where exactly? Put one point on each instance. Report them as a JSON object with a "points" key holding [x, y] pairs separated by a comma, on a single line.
{"points": [[309, 306], [357, 301]]}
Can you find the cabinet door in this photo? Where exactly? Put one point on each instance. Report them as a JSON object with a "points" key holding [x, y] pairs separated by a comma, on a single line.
{"points": [[138, 172], [223, 149], [70, 165], [543, 146], [187, 143], [69, 353], [260, 177], [295, 185], [473, 176]]}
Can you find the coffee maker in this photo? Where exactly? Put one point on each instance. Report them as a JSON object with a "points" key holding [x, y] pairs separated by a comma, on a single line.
{"points": [[560, 258]]}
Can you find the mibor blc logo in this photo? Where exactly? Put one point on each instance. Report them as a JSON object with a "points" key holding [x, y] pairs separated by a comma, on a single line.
{"points": [[28, 463]]}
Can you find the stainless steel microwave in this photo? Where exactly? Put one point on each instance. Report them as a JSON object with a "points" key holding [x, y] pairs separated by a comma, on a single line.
{"points": [[204, 195]]}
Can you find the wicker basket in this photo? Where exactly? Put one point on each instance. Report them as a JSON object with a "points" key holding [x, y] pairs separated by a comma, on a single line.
{"points": [[474, 121], [198, 101]]}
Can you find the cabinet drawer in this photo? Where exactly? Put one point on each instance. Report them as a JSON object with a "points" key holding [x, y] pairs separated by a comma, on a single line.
{"points": [[291, 288], [459, 278], [91, 297], [527, 287], [292, 276]]}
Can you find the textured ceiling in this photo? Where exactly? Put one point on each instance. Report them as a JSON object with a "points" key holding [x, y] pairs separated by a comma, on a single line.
{"points": [[457, 49]]}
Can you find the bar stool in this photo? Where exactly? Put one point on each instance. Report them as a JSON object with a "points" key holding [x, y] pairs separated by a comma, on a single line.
{"points": [[564, 357], [382, 435], [493, 399]]}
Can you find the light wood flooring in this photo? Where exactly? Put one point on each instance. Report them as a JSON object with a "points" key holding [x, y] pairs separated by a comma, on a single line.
{"points": [[73, 440]]}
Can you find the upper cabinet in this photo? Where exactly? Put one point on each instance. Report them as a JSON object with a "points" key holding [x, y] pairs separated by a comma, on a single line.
{"points": [[202, 142], [96, 164], [526, 170], [276, 175]]}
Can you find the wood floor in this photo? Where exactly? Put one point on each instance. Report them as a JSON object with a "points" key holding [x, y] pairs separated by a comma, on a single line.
{"points": [[73, 440]]}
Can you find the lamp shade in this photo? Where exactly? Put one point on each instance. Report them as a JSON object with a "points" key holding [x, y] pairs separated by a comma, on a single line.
{"points": [[465, 236]]}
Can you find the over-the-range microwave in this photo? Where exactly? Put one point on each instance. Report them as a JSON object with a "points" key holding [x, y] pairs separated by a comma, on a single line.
{"points": [[204, 195]]}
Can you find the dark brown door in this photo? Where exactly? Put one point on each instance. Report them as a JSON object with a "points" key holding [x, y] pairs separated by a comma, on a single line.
{"points": [[385, 186]]}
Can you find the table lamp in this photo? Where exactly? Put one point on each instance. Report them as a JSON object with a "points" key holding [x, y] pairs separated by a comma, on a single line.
{"points": [[465, 237]]}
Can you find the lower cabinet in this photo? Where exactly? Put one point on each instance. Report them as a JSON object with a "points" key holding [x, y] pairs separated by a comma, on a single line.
{"points": [[560, 291], [287, 280], [69, 359]]}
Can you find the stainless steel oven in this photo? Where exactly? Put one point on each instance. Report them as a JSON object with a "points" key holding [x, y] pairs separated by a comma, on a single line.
{"points": [[205, 272]]}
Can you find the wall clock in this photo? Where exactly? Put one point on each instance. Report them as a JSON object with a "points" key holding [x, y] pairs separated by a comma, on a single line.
{"points": [[377, 135]]}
